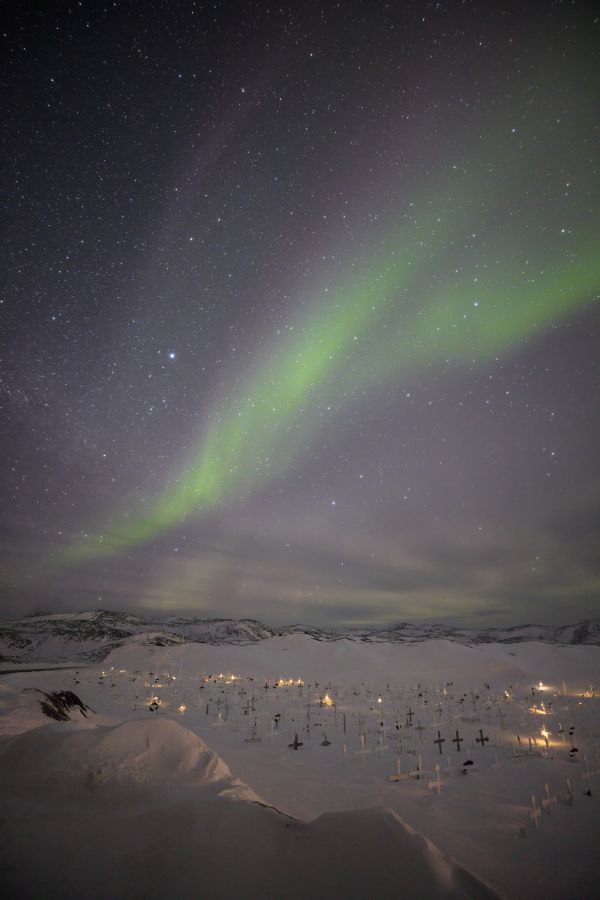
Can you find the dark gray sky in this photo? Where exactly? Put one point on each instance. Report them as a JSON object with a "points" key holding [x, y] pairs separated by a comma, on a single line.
{"points": [[300, 311]]}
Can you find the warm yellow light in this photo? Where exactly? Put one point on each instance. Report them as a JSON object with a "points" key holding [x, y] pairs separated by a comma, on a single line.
{"points": [[182, 708], [327, 701], [379, 700]]}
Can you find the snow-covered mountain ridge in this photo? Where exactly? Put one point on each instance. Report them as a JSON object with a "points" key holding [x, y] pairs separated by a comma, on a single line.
{"points": [[93, 634]]}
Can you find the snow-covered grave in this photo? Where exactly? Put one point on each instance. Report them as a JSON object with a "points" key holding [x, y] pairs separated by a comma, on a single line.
{"points": [[500, 773]]}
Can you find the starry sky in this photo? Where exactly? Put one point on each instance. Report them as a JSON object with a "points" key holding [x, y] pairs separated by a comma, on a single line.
{"points": [[299, 311]]}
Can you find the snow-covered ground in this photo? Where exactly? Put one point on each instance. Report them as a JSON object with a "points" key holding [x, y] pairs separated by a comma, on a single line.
{"points": [[200, 792]]}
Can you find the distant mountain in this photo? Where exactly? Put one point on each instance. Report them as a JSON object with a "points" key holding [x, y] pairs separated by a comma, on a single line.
{"points": [[90, 636]]}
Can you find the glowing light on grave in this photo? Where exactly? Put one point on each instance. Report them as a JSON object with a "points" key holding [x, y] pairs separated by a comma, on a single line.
{"points": [[327, 701], [545, 733], [182, 708]]}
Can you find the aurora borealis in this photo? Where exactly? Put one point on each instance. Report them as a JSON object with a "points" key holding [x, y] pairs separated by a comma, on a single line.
{"points": [[301, 313]]}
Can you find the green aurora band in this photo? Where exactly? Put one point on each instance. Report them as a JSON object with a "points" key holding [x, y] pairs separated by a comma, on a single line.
{"points": [[386, 320]]}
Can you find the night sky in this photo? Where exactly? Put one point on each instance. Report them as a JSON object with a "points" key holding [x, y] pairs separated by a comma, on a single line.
{"points": [[299, 311]]}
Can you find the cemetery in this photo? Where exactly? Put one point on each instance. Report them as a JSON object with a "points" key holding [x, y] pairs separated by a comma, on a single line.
{"points": [[501, 776]]}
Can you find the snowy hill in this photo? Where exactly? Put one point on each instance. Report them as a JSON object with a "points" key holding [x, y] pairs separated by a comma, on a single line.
{"points": [[92, 635], [154, 800]]}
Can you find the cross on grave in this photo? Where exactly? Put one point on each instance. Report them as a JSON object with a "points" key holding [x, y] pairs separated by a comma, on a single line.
{"points": [[440, 740], [569, 792], [295, 744], [398, 775], [437, 783], [535, 813], [458, 741], [409, 715], [253, 739], [550, 799], [481, 739]]}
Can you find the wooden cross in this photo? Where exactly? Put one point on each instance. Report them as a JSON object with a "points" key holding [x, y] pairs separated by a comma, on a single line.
{"points": [[437, 783], [535, 813], [458, 741], [550, 799], [398, 776], [569, 792], [440, 740], [409, 715], [254, 739], [481, 739]]}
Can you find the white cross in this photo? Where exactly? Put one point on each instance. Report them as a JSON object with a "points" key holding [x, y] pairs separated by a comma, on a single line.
{"points": [[437, 784], [569, 792], [549, 800], [398, 776]]}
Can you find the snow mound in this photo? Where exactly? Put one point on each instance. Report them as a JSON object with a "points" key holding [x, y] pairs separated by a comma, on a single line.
{"points": [[158, 751], [166, 839], [404, 863], [142, 810]]}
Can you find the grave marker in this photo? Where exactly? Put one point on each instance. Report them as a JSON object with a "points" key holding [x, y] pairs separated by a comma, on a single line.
{"points": [[535, 813], [440, 740], [481, 739], [437, 784], [549, 800]]}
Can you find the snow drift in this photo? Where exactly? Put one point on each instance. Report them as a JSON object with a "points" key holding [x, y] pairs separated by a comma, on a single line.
{"points": [[143, 809]]}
